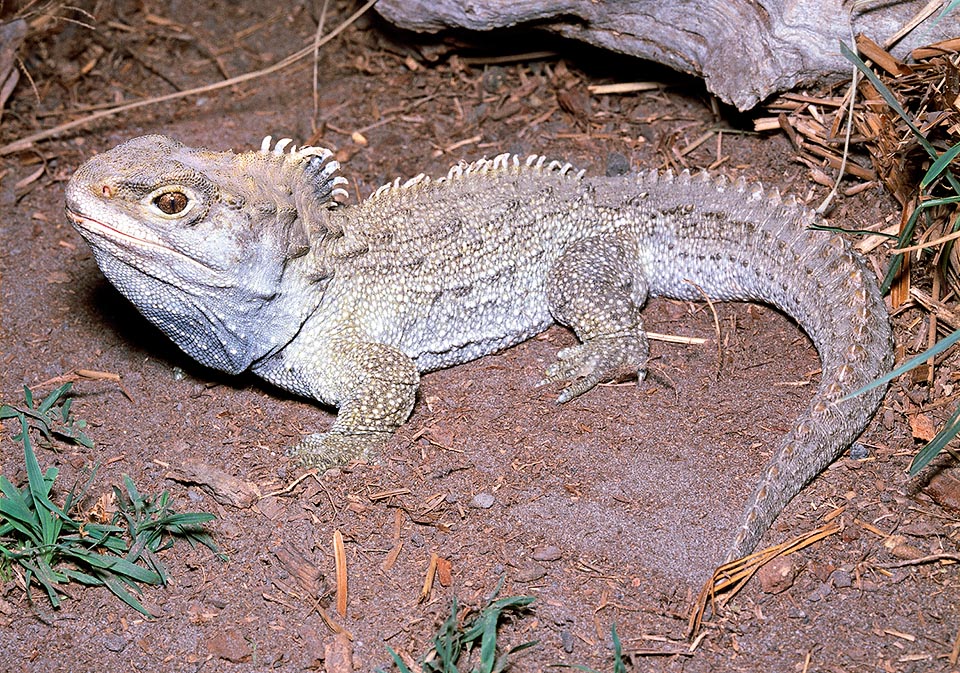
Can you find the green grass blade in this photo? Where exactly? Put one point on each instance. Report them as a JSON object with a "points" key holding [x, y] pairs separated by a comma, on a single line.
{"points": [[618, 666], [915, 361], [82, 577], [523, 646], [488, 641], [906, 236], [935, 445], [881, 88], [52, 398], [397, 661], [157, 566], [134, 495], [180, 520], [119, 590], [45, 576], [447, 643], [30, 533], [949, 7], [512, 603], [15, 509], [114, 565], [939, 166], [39, 486]]}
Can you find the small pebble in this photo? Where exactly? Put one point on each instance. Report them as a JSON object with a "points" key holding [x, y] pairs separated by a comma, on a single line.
{"points": [[777, 576], [859, 451], [617, 165], [493, 79], [529, 572], [114, 643], [548, 553], [482, 501], [566, 641], [841, 579], [821, 592]]}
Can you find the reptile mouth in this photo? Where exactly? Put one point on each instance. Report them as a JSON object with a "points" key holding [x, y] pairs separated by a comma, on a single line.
{"points": [[123, 240], [92, 225]]}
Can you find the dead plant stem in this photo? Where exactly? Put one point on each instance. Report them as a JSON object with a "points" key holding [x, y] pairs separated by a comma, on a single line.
{"points": [[27, 142]]}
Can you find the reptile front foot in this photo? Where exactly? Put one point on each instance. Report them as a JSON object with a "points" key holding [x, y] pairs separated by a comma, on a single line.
{"points": [[325, 450], [599, 360]]}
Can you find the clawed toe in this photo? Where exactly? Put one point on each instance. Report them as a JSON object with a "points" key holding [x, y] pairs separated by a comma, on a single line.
{"points": [[331, 449], [591, 363]]}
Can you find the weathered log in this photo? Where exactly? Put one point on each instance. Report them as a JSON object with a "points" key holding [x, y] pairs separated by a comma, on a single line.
{"points": [[745, 50]]}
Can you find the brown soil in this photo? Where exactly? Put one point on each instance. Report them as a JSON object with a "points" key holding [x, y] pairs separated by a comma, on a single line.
{"points": [[612, 509]]}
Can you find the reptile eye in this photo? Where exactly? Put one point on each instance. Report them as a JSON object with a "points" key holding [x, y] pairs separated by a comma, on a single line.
{"points": [[171, 203]]}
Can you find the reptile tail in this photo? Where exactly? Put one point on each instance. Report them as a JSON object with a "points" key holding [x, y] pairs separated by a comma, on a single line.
{"points": [[767, 253], [850, 329]]}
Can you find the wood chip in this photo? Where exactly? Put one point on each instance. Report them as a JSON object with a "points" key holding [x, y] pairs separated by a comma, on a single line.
{"points": [[623, 87], [944, 488], [224, 488], [444, 571], [880, 56], [428, 580], [922, 428], [340, 561], [338, 654], [295, 562]]}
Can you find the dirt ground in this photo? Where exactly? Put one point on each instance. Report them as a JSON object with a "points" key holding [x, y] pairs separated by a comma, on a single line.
{"points": [[612, 509]]}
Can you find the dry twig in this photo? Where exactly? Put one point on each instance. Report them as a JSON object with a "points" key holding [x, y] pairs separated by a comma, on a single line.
{"points": [[28, 141]]}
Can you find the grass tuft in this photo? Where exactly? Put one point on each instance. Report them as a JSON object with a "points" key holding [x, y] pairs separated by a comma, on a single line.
{"points": [[938, 173], [618, 665], [51, 417], [457, 637], [43, 544]]}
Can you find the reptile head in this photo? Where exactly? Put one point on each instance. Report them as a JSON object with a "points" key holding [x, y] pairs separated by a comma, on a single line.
{"points": [[197, 240]]}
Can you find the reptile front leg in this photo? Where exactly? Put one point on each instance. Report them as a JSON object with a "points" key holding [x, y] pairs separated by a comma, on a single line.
{"points": [[373, 385]]}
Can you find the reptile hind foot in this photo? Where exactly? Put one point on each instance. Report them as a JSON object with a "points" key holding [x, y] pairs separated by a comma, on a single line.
{"points": [[596, 361]]}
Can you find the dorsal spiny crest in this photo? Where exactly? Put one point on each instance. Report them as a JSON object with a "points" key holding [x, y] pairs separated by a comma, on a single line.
{"points": [[506, 162], [327, 183]]}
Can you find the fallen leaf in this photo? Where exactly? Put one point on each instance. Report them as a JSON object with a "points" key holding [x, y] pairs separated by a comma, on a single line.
{"points": [[944, 488], [922, 428], [444, 571]]}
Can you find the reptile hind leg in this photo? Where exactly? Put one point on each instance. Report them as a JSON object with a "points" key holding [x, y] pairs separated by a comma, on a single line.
{"points": [[597, 289]]}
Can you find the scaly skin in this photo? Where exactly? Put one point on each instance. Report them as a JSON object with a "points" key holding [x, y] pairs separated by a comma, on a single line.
{"points": [[249, 261]]}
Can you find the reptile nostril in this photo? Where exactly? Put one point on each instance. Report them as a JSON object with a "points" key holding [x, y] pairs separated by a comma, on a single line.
{"points": [[107, 191]]}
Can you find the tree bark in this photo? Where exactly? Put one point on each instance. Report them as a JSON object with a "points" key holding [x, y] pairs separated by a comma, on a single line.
{"points": [[745, 50]]}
